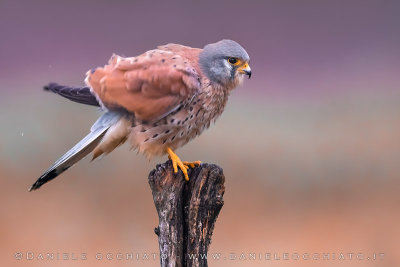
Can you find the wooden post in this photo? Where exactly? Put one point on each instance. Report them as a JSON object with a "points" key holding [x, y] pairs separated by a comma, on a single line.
{"points": [[187, 212]]}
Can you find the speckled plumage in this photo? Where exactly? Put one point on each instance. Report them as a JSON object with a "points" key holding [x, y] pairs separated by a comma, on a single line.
{"points": [[186, 104], [157, 101], [179, 127]]}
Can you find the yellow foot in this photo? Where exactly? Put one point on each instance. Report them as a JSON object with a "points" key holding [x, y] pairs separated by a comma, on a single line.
{"points": [[183, 165]]}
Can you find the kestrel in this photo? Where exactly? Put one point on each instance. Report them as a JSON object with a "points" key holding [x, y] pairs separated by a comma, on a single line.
{"points": [[158, 101]]}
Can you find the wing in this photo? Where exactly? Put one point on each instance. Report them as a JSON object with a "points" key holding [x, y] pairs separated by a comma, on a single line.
{"points": [[77, 94], [151, 85]]}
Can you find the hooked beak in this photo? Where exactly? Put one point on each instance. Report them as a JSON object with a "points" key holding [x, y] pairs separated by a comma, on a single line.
{"points": [[245, 69]]}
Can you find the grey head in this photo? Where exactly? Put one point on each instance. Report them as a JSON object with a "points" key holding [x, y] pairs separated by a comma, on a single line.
{"points": [[225, 62]]}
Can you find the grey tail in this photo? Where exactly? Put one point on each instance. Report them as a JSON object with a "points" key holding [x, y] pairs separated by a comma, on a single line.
{"points": [[81, 95], [80, 150]]}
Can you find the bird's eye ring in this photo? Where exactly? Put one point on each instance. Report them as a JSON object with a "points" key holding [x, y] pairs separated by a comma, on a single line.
{"points": [[233, 61]]}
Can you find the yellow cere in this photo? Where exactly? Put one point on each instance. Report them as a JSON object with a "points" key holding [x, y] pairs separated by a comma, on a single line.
{"points": [[245, 66]]}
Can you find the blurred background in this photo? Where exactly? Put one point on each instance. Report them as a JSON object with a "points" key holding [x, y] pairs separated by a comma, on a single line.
{"points": [[310, 146]]}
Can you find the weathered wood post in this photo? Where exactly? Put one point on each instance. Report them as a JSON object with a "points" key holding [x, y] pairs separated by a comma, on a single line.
{"points": [[187, 212]]}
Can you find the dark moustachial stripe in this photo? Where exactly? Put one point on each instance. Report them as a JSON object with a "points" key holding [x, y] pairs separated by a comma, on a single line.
{"points": [[233, 71]]}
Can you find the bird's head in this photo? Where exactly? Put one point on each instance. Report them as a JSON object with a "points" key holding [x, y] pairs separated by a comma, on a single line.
{"points": [[225, 62]]}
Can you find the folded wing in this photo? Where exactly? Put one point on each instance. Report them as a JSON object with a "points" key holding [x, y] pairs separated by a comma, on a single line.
{"points": [[77, 94], [151, 85]]}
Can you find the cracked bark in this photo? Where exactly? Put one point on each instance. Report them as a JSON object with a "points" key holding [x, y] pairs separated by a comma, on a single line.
{"points": [[187, 212]]}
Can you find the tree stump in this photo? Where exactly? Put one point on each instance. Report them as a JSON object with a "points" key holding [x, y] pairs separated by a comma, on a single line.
{"points": [[187, 212]]}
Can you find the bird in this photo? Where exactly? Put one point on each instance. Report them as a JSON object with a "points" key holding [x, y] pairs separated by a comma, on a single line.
{"points": [[157, 101]]}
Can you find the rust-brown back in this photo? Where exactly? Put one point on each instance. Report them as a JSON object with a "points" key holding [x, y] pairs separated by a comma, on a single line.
{"points": [[150, 85]]}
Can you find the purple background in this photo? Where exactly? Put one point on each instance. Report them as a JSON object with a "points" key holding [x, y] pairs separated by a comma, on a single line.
{"points": [[299, 48]]}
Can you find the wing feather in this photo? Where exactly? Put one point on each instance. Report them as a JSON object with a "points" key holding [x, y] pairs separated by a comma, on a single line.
{"points": [[151, 85], [77, 94]]}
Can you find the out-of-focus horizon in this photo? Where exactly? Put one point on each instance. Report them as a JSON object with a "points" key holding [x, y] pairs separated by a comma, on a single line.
{"points": [[310, 145]]}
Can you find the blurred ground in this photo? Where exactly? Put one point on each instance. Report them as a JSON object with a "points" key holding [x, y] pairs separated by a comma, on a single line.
{"points": [[319, 178], [310, 146]]}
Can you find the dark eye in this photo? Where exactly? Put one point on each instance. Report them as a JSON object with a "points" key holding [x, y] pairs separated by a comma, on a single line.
{"points": [[233, 60]]}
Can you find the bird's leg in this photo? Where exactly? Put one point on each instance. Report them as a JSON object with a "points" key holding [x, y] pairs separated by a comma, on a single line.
{"points": [[183, 165]]}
